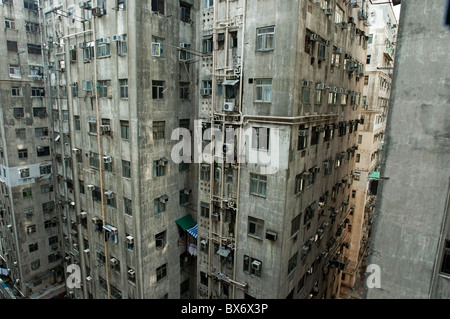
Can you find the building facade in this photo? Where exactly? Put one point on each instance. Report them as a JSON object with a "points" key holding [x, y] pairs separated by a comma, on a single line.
{"points": [[275, 207], [121, 79], [30, 244], [410, 238], [375, 104]]}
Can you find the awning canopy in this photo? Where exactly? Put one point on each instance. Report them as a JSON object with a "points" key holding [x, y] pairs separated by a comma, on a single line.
{"points": [[375, 175], [224, 252], [188, 224], [230, 82]]}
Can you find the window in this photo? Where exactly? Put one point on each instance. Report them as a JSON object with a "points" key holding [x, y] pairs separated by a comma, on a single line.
{"points": [[45, 189], [125, 130], [25, 173], [50, 224], [339, 15], [103, 47], [265, 39], [12, 46], [31, 229], [258, 185], [32, 27], [161, 272], [94, 160], [252, 266], [104, 89], [88, 51], [292, 263], [295, 224], [123, 87], [77, 122], [445, 266], [92, 125], [45, 169], [303, 134], [160, 240], [369, 57], [158, 47], [37, 91], [73, 54], [159, 128], [207, 45], [315, 135], [263, 90], [208, 4], [14, 71], [35, 264], [260, 138], [366, 80], [159, 206], [126, 169], [10, 24], [185, 53], [321, 51], [184, 197], [34, 48], [204, 209], [358, 159], [159, 169], [255, 227], [43, 151], [158, 6], [157, 90], [127, 206], [205, 172], [21, 133], [48, 207], [185, 12], [16, 91], [299, 183], [122, 47], [23, 153], [18, 112], [184, 91]]}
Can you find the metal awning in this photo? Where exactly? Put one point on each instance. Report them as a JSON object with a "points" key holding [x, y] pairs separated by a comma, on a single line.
{"points": [[230, 82], [375, 175], [224, 252], [186, 222]]}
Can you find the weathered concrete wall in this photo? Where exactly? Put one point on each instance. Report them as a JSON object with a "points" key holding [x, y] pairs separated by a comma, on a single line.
{"points": [[411, 204]]}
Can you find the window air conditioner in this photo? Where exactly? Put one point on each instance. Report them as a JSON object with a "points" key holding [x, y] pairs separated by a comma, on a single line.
{"points": [[114, 262], [131, 273], [109, 194], [76, 151], [328, 11], [107, 159], [105, 128], [228, 106], [130, 240], [164, 199], [256, 265], [206, 91], [306, 83], [314, 37], [320, 86], [303, 133]]}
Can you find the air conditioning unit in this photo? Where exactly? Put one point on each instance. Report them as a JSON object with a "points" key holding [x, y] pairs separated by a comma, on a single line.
{"points": [[303, 133], [98, 12], [320, 86], [228, 107], [316, 169], [164, 199], [109, 194], [76, 151], [256, 265], [163, 161], [107, 159], [271, 235], [130, 240], [333, 89], [215, 216], [82, 4], [86, 251], [328, 11], [116, 38], [95, 220], [90, 187], [88, 278], [314, 37], [131, 273], [305, 250], [105, 128], [206, 91], [306, 83], [104, 40], [187, 191], [114, 262]]}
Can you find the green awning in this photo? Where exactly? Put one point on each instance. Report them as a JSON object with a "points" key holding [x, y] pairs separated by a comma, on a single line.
{"points": [[186, 222], [375, 175]]}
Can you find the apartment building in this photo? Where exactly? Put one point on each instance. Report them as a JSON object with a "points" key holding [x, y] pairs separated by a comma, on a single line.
{"points": [[30, 242], [121, 79], [274, 199], [410, 237], [382, 29]]}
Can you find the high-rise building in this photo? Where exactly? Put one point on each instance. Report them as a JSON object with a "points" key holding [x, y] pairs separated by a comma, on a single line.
{"points": [[121, 75], [30, 243], [275, 208], [375, 102], [409, 249]]}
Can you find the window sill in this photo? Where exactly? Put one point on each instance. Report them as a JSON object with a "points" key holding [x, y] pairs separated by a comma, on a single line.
{"points": [[255, 237], [258, 195]]}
